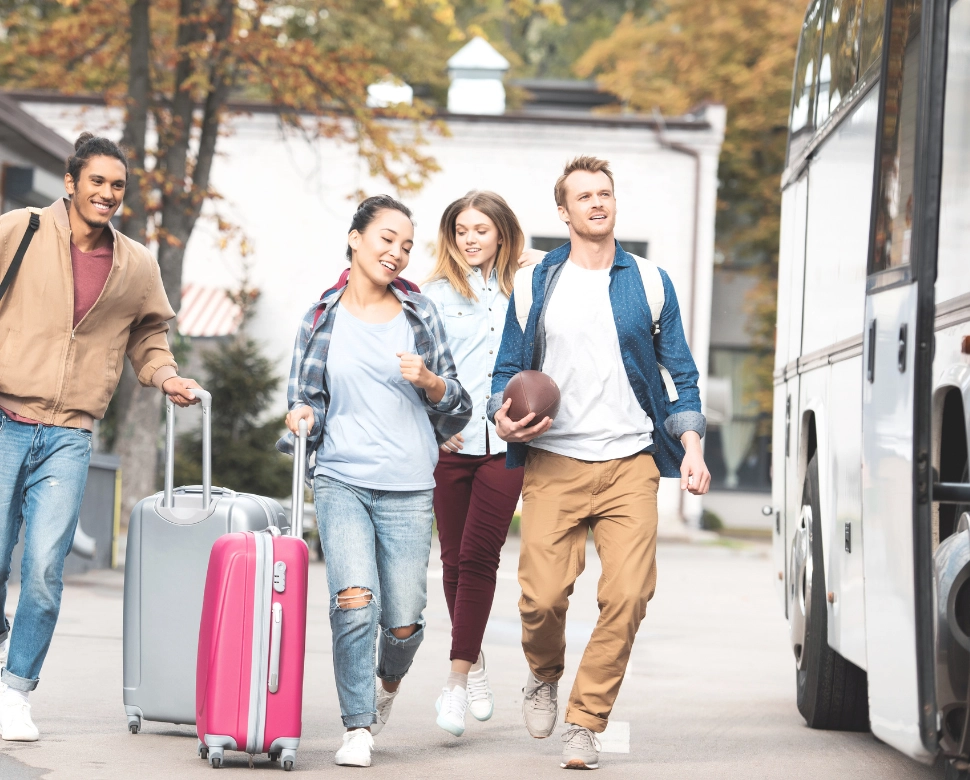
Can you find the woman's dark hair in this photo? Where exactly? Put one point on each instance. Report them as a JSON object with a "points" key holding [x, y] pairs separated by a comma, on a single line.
{"points": [[87, 146], [368, 210]]}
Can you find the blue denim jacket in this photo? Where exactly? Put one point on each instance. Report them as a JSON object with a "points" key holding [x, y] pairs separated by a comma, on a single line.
{"points": [[639, 350]]}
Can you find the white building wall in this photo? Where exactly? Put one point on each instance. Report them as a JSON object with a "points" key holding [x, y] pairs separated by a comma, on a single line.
{"points": [[294, 201]]}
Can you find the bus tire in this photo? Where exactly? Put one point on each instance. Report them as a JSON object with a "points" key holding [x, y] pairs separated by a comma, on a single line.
{"points": [[832, 692], [952, 773]]}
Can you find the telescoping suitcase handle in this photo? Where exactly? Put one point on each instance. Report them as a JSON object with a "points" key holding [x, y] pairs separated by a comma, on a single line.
{"points": [[169, 498], [299, 465]]}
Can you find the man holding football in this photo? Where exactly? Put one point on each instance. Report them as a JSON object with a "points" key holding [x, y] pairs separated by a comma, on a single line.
{"points": [[630, 413]]}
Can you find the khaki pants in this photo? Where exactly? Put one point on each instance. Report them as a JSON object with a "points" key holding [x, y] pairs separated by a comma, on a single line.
{"points": [[561, 499]]}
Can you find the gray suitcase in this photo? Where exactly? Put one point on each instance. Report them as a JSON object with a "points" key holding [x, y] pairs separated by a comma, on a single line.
{"points": [[170, 536]]}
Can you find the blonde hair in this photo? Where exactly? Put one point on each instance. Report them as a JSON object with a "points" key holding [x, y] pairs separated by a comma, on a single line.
{"points": [[450, 264], [584, 162]]}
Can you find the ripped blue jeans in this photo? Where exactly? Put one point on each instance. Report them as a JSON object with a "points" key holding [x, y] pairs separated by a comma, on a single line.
{"points": [[43, 471], [378, 541]]}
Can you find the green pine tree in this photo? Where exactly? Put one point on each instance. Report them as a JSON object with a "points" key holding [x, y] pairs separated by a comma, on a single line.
{"points": [[244, 456]]}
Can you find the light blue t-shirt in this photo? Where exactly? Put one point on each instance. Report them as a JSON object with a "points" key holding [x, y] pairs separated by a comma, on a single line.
{"points": [[377, 433]]}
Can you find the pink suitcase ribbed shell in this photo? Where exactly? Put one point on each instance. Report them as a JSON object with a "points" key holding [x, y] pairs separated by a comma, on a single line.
{"points": [[226, 682]]}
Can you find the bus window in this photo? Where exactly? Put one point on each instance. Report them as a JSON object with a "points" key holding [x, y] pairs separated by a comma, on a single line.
{"points": [[806, 73], [953, 271], [840, 55], [870, 44], [897, 150]]}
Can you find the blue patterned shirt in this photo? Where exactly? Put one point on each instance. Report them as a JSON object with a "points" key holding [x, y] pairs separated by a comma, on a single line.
{"points": [[638, 348]]}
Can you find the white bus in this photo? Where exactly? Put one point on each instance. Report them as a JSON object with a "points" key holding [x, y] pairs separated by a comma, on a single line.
{"points": [[872, 373]]}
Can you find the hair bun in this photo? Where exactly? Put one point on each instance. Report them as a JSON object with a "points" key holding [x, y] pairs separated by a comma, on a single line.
{"points": [[82, 139]]}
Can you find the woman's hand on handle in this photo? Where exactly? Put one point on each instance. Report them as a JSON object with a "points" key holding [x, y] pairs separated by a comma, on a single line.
{"points": [[517, 432], [300, 413]]}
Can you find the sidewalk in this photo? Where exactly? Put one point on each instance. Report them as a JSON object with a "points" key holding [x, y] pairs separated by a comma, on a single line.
{"points": [[709, 692]]}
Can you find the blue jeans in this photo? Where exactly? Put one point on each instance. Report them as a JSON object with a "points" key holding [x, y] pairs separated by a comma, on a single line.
{"points": [[43, 471], [379, 541]]}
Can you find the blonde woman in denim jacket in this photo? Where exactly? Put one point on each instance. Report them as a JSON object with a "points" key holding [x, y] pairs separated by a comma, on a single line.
{"points": [[480, 247]]}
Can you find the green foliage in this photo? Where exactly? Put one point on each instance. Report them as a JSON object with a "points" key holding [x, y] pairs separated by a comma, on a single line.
{"points": [[740, 53], [544, 39], [710, 521], [244, 455]]}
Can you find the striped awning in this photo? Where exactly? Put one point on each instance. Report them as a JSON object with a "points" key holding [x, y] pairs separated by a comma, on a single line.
{"points": [[208, 312]]}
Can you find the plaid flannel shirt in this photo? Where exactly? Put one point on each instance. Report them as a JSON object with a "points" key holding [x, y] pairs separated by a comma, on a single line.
{"points": [[308, 383]]}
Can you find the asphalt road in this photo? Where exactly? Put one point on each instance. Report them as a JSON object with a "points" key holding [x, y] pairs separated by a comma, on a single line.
{"points": [[709, 692]]}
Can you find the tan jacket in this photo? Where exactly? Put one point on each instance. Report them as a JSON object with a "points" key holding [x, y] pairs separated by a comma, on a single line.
{"points": [[58, 374]]}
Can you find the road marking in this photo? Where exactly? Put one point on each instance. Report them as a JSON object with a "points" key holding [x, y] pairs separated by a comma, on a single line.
{"points": [[616, 738]]}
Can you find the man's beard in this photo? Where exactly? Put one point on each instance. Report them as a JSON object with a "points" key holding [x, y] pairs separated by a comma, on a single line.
{"points": [[582, 230], [92, 223], [95, 224]]}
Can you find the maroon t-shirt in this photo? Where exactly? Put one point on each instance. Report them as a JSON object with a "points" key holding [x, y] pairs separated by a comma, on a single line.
{"points": [[91, 271]]}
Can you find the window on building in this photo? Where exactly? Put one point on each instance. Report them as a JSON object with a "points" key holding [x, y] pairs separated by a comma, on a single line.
{"points": [[840, 55], [547, 244], [806, 74]]}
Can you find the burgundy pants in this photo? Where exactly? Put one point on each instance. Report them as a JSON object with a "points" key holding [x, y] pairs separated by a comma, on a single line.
{"points": [[474, 500]]}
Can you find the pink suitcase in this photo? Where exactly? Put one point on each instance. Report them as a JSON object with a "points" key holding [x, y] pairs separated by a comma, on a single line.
{"points": [[252, 640]]}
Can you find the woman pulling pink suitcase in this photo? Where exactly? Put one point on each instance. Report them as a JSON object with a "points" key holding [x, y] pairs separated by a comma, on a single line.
{"points": [[373, 377]]}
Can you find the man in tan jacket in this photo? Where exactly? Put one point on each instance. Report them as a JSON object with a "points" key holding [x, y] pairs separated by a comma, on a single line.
{"points": [[82, 297]]}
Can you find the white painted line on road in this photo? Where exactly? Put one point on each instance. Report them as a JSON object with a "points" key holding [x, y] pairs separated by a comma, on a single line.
{"points": [[510, 576], [616, 738]]}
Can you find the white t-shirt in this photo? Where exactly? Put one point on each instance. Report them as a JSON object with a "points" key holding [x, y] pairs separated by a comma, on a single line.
{"points": [[599, 417]]}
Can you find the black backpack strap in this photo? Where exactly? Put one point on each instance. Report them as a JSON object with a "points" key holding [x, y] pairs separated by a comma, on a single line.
{"points": [[21, 251]]}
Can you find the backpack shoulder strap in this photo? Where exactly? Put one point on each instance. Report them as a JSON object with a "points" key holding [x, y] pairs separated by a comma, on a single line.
{"points": [[653, 286], [400, 283], [522, 288], [18, 258]]}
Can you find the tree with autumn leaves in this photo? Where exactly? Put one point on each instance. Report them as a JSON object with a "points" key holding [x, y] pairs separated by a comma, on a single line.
{"points": [[741, 53], [178, 69]]}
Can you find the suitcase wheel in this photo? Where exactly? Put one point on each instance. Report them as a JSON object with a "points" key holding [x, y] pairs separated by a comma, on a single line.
{"points": [[215, 757], [274, 756], [287, 766], [203, 750], [289, 758], [134, 724]]}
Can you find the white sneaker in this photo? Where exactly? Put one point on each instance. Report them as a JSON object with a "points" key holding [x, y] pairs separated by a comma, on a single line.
{"points": [[451, 707], [356, 748], [384, 701], [540, 706], [15, 722], [4, 648], [581, 749], [481, 702]]}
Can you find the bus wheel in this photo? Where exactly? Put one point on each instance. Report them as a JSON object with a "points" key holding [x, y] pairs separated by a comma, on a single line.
{"points": [[952, 773], [832, 692]]}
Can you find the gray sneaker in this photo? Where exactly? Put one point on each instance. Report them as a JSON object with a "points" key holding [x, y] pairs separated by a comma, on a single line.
{"points": [[582, 748], [540, 706]]}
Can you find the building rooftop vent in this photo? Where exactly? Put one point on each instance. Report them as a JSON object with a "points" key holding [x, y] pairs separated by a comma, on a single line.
{"points": [[476, 72], [389, 92]]}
